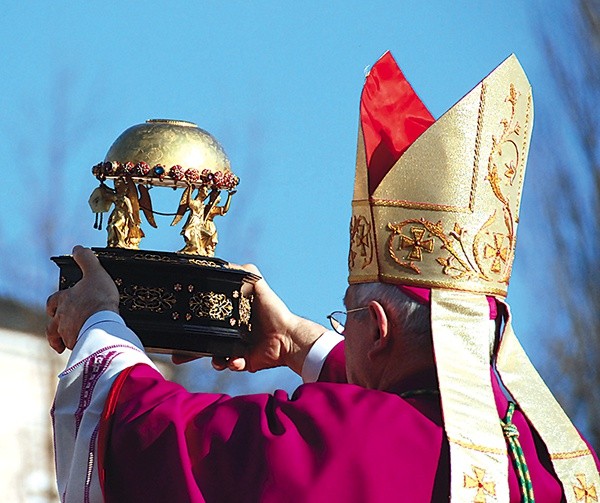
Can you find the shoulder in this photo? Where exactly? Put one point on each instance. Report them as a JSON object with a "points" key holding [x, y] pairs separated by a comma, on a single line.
{"points": [[319, 403]]}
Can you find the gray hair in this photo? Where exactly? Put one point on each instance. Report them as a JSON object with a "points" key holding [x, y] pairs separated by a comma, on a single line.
{"points": [[407, 316]]}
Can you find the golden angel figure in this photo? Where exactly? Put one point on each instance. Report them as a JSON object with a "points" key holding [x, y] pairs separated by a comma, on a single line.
{"points": [[124, 230], [209, 230]]}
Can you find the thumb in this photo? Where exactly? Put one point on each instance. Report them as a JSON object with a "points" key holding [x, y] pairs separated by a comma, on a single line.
{"points": [[86, 260]]}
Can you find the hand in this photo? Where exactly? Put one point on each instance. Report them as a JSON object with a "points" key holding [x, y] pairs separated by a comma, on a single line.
{"points": [[69, 309], [278, 336]]}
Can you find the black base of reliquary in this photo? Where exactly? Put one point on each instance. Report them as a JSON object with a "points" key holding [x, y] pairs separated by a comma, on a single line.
{"points": [[176, 303]]}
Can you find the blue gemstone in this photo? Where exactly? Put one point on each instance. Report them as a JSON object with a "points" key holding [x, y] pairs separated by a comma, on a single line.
{"points": [[159, 170]]}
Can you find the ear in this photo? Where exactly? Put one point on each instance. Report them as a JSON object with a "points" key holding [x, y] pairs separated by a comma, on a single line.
{"points": [[380, 323]]}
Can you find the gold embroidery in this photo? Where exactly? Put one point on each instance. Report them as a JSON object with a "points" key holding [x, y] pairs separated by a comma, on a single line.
{"points": [[583, 492], [361, 241], [457, 265], [484, 489], [475, 447], [461, 226], [523, 153], [416, 244], [497, 252], [428, 283], [506, 153], [412, 205], [570, 455]]}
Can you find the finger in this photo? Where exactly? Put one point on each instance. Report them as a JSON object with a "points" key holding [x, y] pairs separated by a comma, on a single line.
{"points": [[52, 304], [219, 362], [248, 287], [86, 260], [237, 364], [54, 339]]}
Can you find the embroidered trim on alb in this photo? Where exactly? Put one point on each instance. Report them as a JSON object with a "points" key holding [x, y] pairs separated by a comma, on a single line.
{"points": [[90, 467], [94, 368], [81, 362]]}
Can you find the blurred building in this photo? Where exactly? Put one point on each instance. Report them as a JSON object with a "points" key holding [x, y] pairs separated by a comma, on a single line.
{"points": [[28, 372]]}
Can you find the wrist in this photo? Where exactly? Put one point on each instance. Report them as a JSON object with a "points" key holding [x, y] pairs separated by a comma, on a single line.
{"points": [[302, 336]]}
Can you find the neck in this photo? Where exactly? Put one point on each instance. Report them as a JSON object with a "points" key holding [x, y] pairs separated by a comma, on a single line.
{"points": [[404, 374]]}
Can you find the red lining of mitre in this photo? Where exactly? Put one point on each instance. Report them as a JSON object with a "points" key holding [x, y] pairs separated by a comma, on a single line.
{"points": [[392, 117]]}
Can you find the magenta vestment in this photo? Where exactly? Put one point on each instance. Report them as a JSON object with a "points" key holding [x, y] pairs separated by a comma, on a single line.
{"points": [[329, 442]]}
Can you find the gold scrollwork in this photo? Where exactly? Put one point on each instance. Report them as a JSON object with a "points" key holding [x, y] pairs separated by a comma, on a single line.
{"points": [[211, 305], [245, 309], [493, 256], [458, 264], [143, 298], [361, 241]]}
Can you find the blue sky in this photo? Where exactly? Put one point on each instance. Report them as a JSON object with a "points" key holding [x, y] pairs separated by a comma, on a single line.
{"points": [[278, 83]]}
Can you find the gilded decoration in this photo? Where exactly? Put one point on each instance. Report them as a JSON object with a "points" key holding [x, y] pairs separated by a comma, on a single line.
{"points": [[211, 305], [245, 309], [484, 489], [205, 263], [163, 153], [489, 256], [457, 263], [583, 492], [504, 165], [142, 298], [361, 242]]}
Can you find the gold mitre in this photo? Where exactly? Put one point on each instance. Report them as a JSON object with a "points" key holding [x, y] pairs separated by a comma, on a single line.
{"points": [[446, 213], [436, 205]]}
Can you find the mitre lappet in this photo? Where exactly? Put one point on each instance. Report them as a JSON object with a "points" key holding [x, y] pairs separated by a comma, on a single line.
{"points": [[435, 211]]}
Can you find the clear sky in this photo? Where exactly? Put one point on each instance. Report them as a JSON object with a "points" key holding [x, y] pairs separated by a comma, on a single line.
{"points": [[278, 83]]}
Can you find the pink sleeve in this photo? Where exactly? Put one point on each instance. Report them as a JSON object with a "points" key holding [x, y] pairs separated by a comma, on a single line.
{"points": [[334, 368], [158, 442]]}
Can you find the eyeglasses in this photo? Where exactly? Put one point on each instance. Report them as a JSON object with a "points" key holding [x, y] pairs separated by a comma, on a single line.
{"points": [[338, 318]]}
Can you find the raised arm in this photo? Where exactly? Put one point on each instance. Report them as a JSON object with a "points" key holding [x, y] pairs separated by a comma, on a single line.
{"points": [[85, 319]]}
